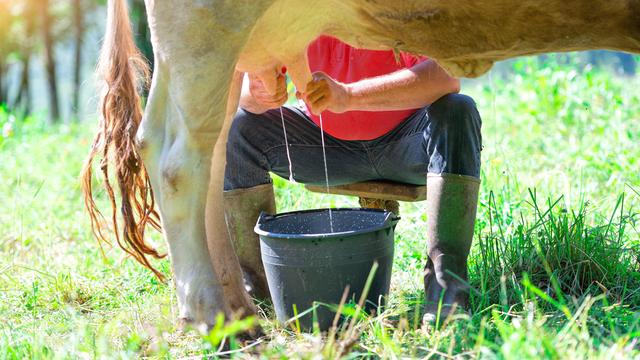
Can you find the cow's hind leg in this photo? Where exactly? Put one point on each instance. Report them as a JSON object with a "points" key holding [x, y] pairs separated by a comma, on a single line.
{"points": [[223, 257], [194, 60]]}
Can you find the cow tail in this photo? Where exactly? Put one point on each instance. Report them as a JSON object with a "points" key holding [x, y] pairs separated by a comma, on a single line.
{"points": [[121, 69]]}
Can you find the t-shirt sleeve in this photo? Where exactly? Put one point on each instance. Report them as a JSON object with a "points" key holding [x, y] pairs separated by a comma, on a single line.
{"points": [[410, 60]]}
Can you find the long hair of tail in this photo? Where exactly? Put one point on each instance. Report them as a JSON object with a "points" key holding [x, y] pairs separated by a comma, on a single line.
{"points": [[122, 70]]}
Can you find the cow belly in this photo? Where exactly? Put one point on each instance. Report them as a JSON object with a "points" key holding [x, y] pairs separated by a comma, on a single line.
{"points": [[465, 37]]}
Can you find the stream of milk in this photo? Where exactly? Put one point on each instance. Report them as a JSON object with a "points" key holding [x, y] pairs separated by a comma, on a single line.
{"points": [[324, 156]]}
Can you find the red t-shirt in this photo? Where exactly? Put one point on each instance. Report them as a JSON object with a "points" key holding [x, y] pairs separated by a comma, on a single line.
{"points": [[347, 64]]}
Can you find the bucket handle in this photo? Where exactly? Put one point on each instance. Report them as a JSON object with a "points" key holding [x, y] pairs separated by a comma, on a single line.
{"points": [[392, 219], [264, 216]]}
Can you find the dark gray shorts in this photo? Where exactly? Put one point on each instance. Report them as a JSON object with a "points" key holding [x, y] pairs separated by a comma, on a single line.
{"points": [[444, 137]]}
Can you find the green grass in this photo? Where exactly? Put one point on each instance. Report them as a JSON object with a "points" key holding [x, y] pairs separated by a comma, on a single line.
{"points": [[554, 264]]}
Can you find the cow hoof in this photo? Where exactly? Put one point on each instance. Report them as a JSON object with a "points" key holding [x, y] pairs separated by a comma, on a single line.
{"points": [[200, 301], [185, 324], [251, 335]]}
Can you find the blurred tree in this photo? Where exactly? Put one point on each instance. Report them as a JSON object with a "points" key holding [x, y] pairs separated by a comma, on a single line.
{"points": [[78, 25], [628, 63], [621, 62], [49, 59], [7, 47], [141, 32], [28, 16]]}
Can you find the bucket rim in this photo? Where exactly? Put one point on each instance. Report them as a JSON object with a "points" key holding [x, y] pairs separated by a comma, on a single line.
{"points": [[390, 220]]}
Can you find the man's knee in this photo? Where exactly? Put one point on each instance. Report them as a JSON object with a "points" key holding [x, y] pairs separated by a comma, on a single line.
{"points": [[455, 129], [461, 102], [456, 110], [456, 117]]}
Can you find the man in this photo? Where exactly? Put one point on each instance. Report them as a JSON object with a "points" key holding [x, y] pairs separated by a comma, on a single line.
{"points": [[384, 118]]}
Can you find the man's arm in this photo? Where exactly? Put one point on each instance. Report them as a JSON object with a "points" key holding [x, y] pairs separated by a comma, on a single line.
{"points": [[411, 88]]}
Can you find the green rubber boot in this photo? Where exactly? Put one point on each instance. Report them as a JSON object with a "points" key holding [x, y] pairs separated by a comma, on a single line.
{"points": [[242, 208], [451, 212]]}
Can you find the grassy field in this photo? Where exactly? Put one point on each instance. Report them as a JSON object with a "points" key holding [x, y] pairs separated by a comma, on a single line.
{"points": [[554, 264]]}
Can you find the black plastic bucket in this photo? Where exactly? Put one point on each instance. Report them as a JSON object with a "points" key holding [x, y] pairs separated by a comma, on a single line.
{"points": [[307, 263]]}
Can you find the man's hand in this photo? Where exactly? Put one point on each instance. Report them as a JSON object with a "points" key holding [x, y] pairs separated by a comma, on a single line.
{"points": [[261, 95], [256, 97], [324, 93]]}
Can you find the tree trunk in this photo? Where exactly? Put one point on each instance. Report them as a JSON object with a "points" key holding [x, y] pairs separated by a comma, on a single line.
{"points": [[29, 14], [628, 63], [79, 32], [49, 61], [3, 99], [23, 100], [142, 35]]}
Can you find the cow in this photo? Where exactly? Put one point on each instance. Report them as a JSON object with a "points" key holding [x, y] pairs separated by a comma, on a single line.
{"points": [[173, 155]]}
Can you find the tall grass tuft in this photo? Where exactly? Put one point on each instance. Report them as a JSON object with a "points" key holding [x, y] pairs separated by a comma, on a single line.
{"points": [[566, 253]]}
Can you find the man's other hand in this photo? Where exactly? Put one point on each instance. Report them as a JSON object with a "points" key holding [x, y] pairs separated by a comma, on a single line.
{"points": [[261, 95], [324, 93]]}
